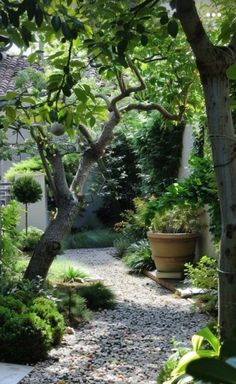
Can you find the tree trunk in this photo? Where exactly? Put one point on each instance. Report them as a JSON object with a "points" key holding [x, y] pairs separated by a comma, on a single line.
{"points": [[50, 243], [223, 142]]}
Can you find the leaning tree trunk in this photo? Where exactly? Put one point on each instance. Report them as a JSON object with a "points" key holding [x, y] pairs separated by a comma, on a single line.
{"points": [[50, 243], [223, 142]]}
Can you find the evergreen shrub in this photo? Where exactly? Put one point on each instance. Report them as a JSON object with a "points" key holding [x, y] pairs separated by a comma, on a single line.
{"points": [[28, 331], [97, 296]]}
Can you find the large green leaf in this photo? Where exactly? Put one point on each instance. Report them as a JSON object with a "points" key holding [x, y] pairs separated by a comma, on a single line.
{"points": [[173, 28], [211, 338], [212, 370], [231, 72]]}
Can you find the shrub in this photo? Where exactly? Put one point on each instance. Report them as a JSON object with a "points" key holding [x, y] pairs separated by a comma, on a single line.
{"points": [[139, 257], [72, 306], [28, 331], [28, 241], [121, 245], [97, 296], [25, 338], [71, 274], [47, 310], [204, 275], [99, 238]]}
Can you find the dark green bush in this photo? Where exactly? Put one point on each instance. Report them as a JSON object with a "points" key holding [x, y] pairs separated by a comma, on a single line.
{"points": [[72, 306], [12, 303], [47, 310], [97, 296], [28, 331]]}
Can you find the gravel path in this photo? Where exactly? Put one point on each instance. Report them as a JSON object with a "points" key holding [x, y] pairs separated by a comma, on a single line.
{"points": [[125, 345]]}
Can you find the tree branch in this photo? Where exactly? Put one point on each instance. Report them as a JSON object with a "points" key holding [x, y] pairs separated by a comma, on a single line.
{"points": [[210, 59], [155, 107]]}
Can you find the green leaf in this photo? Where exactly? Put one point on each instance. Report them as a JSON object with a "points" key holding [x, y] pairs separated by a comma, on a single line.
{"points": [[56, 23], [92, 121], [231, 72], [211, 338], [173, 28], [66, 31], [66, 90], [81, 94], [38, 16], [4, 18], [31, 9], [28, 100], [144, 40], [11, 113], [197, 342], [164, 18], [53, 115], [14, 18], [11, 95], [121, 46], [32, 57], [212, 370], [26, 35]]}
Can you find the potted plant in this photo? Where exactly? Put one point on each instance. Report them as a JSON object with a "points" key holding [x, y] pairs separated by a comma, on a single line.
{"points": [[173, 238]]}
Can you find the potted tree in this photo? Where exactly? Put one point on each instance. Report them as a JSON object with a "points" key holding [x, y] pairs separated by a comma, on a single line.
{"points": [[172, 239]]}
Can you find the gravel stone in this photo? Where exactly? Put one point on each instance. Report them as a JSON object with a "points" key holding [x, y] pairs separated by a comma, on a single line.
{"points": [[126, 345]]}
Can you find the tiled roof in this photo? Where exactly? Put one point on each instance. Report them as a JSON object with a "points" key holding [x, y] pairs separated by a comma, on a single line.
{"points": [[9, 67]]}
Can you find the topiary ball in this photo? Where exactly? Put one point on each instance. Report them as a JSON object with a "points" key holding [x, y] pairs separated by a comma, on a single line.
{"points": [[27, 190]]}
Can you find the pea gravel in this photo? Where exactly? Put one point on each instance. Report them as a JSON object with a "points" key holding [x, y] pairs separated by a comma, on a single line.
{"points": [[126, 345]]}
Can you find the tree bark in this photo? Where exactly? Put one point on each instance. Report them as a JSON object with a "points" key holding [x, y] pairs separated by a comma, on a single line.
{"points": [[223, 142], [212, 63], [50, 243]]}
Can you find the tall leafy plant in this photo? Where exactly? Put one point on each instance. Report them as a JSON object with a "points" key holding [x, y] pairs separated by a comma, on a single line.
{"points": [[27, 191]]}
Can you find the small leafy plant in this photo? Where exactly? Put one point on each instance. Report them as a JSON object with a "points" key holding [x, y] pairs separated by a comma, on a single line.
{"points": [[139, 257], [121, 245], [204, 273], [27, 191], [178, 219], [204, 344], [72, 274]]}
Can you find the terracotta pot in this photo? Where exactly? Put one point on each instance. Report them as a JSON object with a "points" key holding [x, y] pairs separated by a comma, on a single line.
{"points": [[170, 251]]}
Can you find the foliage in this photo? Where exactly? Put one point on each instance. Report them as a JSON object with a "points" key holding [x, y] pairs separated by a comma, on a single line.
{"points": [[28, 241], [204, 273], [72, 305], [204, 344], [29, 330], [119, 180], [158, 149], [139, 257], [133, 225], [121, 244], [198, 189], [47, 310], [9, 217], [72, 274], [33, 164], [178, 219], [27, 190], [97, 296], [179, 350], [220, 369], [99, 238]]}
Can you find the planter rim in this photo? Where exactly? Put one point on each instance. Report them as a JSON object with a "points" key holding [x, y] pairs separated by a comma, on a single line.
{"points": [[173, 235]]}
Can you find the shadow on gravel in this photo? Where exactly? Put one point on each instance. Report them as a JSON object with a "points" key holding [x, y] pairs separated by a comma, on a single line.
{"points": [[135, 343]]}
